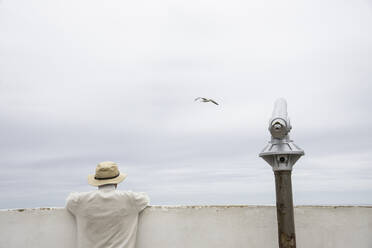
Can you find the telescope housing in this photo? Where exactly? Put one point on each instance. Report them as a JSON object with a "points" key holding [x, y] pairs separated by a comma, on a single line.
{"points": [[281, 153]]}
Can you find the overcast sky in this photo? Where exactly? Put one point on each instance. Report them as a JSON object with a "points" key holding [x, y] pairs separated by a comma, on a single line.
{"points": [[88, 81]]}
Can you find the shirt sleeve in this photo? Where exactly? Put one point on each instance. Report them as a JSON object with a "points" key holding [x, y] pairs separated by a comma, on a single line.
{"points": [[72, 202], [141, 200]]}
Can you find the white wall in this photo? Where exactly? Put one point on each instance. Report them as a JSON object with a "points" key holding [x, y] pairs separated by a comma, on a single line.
{"points": [[200, 227]]}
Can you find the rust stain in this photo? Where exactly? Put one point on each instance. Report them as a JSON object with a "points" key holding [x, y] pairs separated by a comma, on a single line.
{"points": [[45, 208], [287, 241], [31, 209]]}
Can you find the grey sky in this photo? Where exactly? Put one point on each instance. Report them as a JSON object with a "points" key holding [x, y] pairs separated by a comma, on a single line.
{"points": [[87, 81]]}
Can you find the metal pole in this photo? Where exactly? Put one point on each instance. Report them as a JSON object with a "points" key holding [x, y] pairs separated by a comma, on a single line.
{"points": [[284, 209], [281, 154]]}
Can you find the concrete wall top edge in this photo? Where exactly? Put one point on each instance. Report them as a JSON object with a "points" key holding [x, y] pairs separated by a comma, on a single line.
{"points": [[201, 206]]}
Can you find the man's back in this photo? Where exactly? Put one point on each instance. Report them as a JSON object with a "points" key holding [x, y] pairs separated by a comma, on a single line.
{"points": [[106, 218]]}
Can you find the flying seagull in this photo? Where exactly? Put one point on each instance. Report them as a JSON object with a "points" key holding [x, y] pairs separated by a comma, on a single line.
{"points": [[205, 100]]}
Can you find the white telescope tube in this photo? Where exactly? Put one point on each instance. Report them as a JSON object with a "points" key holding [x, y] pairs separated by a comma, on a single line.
{"points": [[279, 125]]}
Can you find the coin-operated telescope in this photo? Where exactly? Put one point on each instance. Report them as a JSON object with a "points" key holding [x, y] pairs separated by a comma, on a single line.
{"points": [[281, 153]]}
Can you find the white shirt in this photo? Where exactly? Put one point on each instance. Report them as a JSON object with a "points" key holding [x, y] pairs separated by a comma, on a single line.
{"points": [[106, 218]]}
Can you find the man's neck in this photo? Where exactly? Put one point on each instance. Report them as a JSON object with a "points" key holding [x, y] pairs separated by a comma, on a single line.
{"points": [[107, 187]]}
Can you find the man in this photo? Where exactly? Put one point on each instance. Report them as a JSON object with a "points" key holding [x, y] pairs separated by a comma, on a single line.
{"points": [[106, 218]]}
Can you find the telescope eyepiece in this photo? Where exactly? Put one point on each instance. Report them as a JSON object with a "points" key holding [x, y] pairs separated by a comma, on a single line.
{"points": [[277, 126]]}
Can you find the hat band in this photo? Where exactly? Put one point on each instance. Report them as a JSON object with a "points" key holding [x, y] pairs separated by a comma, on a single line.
{"points": [[98, 178]]}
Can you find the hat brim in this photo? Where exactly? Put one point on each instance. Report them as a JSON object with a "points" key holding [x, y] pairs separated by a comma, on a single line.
{"points": [[94, 182]]}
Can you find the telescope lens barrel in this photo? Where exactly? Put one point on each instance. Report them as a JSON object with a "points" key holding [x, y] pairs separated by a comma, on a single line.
{"points": [[280, 109], [279, 124]]}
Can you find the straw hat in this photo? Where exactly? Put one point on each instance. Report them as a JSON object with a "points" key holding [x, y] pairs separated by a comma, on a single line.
{"points": [[106, 173]]}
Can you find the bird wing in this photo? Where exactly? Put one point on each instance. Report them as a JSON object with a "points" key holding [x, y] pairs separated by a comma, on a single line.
{"points": [[213, 101], [197, 98]]}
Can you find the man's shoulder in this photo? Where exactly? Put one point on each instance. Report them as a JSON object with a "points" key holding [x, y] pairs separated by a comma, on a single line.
{"points": [[74, 199], [129, 193], [124, 193], [139, 199], [74, 196], [133, 196], [81, 193]]}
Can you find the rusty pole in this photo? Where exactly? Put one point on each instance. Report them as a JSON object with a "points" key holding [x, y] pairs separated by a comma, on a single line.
{"points": [[284, 209], [281, 153]]}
